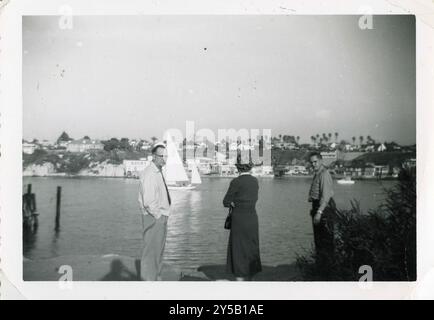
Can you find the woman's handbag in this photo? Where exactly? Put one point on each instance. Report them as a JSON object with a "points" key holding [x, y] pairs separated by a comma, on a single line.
{"points": [[228, 221]]}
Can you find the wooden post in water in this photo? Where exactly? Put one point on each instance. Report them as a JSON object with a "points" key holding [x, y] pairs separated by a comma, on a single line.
{"points": [[30, 217], [59, 195]]}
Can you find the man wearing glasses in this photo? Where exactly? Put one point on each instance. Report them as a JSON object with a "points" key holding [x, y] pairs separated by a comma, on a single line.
{"points": [[154, 201], [323, 207]]}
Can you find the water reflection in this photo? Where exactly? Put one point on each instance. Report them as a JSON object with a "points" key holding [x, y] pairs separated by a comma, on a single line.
{"points": [[195, 203], [101, 216], [54, 248], [30, 237]]}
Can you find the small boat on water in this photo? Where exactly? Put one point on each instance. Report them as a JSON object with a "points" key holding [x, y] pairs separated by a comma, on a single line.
{"points": [[175, 173], [346, 180]]}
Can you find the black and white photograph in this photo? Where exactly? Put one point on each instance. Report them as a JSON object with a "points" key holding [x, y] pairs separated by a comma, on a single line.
{"points": [[219, 148], [216, 158]]}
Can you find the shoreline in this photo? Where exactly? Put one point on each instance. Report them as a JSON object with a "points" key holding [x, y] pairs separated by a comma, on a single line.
{"points": [[335, 177], [113, 267]]}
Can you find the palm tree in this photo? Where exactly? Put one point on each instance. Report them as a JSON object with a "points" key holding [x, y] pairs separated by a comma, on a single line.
{"points": [[313, 139], [361, 138], [336, 136], [298, 139], [330, 136], [324, 137], [354, 140], [154, 139]]}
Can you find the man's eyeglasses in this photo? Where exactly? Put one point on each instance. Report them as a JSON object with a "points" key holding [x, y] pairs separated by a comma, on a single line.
{"points": [[160, 155]]}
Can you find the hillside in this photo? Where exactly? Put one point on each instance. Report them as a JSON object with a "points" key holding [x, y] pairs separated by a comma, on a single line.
{"points": [[393, 159]]}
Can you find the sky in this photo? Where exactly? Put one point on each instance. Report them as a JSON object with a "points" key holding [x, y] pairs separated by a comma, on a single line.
{"points": [[137, 76]]}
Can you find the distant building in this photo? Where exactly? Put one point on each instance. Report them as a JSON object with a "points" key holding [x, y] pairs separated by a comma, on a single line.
{"points": [[329, 157], [84, 145], [297, 170], [262, 171], [381, 170], [410, 163], [145, 147], [268, 170], [227, 170], [134, 167], [367, 171], [29, 148], [63, 144], [44, 144], [39, 170], [133, 143], [204, 164]]}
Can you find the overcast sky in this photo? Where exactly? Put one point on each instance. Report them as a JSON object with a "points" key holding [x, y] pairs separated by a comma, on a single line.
{"points": [[136, 76]]}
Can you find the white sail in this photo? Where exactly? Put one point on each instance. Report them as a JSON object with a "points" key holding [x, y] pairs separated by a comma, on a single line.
{"points": [[174, 170], [195, 176]]}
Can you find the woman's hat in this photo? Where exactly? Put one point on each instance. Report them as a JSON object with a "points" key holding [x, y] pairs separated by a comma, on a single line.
{"points": [[244, 167]]}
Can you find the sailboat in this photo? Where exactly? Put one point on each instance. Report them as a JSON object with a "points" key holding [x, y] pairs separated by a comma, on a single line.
{"points": [[175, 173], [195, 175]]}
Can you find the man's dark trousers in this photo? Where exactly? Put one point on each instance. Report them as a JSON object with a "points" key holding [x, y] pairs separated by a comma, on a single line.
{"points": [[323, 233]]}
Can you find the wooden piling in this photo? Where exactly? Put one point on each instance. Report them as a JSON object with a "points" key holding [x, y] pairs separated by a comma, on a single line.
{"points": [[59, 195], [30, 216]]}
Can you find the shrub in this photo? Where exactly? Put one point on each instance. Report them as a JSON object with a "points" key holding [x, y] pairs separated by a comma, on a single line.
{"points": [[384, 239]]}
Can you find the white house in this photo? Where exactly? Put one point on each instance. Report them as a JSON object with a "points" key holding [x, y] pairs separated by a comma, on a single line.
{"points": [[297, 169], [133, 167], [204, 164], [29, 148], [262, 171], [46, 143], [83, 145]]}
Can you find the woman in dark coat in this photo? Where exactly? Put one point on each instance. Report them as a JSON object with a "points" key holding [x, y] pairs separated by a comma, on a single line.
{"points": [[243, 259]]}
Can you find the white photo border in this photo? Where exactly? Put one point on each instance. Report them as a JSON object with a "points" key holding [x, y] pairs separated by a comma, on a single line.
{"points": [[11, 264]]}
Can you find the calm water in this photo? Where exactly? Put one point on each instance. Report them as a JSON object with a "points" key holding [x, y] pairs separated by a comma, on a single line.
{"points": [[100, 216]]}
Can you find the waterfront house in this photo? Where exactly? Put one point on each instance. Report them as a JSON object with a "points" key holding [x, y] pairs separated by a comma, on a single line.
{"points": [[84, 145], [262, 171], [410, 163], [204, 164], [329, 157], [381, 170], [368, 170], [267, 170], [227, 170], [296, 170], [355, 171], [41, 170], [62, 144], [134, 167]]}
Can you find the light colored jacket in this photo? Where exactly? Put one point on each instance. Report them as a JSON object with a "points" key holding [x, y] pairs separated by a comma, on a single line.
{"points": [[153, 197]]}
